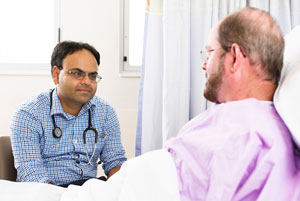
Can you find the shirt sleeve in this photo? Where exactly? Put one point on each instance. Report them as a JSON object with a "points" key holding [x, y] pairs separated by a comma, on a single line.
{"points": [[113, 154], [25, 135]]}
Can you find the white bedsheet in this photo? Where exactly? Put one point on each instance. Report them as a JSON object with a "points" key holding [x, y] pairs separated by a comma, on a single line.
{"points": [[25, 191], [151, 176]]}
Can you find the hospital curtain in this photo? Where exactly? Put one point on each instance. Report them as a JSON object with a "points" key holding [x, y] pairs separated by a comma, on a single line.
{"points": [[150, 99], [172, 81]]}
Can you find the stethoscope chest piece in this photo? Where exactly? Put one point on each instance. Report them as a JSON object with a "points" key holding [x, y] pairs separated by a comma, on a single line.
{"points": [[57, 132]]}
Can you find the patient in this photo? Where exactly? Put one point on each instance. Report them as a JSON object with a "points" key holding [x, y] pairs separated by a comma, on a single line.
{"points": [[240, 149]]}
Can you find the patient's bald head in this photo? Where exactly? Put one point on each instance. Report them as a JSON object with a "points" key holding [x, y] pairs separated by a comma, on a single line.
{"points": [[245, 57], [259, 36]]}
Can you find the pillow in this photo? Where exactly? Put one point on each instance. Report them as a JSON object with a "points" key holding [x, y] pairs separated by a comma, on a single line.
{"points": [[287, 95]]}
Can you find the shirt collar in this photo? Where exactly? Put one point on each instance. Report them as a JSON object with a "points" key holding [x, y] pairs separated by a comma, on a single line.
{"points": [[91, 104], [57, 107]]}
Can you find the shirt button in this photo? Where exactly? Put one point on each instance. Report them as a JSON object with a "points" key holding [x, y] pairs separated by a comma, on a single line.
{"points": [[75, 141], [78, 162]]}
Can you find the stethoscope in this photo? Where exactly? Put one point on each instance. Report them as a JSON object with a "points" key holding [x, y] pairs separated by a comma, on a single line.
{"points": [[57, 132]]}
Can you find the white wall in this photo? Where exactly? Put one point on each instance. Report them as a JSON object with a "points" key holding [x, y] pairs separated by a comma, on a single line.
{"points": [[98, 23]]}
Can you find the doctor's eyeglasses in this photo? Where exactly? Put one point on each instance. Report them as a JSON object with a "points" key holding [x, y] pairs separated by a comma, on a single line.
{"points": [[80, 75]]}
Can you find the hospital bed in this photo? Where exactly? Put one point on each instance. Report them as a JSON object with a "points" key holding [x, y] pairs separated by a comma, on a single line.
{"points": [[140, 178]]}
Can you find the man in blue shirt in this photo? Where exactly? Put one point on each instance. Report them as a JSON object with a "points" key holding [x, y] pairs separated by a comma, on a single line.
{"points": [[61, 135]]}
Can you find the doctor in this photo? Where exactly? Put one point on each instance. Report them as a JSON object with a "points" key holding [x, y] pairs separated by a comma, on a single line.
{"points": [[61, 135]]}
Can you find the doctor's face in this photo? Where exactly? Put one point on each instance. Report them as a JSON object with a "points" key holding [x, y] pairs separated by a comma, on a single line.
{"points": [[74, 91]]}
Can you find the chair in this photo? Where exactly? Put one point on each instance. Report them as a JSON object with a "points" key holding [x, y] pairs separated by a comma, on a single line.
{"points": [[7, 169]]}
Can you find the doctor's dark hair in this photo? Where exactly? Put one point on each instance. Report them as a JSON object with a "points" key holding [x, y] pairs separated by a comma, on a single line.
{"points": [[66, 48], [258, 36]]}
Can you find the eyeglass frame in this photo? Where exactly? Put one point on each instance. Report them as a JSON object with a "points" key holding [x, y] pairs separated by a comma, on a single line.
{"points": [[83, 74], [205, 53]]}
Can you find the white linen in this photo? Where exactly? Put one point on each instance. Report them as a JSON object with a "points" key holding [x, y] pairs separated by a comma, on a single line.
{"points": [[151, 176], [29, 191], [287, 96]]}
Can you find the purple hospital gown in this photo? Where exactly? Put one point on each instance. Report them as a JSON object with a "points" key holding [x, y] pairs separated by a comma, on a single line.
{"points": [[239, 150]]}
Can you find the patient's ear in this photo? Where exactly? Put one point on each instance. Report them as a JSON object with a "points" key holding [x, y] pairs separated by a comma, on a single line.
{"points": [[55, 74], [238, 57]]}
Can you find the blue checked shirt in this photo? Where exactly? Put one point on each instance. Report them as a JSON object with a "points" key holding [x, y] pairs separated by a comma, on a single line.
{"points": [[39, 157]]}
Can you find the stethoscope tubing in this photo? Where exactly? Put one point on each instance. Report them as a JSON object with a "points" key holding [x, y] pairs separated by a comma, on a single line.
{"points": [[57, 132]]}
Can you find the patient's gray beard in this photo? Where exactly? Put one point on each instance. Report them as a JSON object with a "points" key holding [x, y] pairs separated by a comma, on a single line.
{"points": [[214, 82]]}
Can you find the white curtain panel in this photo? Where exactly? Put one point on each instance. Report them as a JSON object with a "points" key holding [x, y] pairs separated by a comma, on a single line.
{"points": [[172, 80], [176, 68], [149, 128]]}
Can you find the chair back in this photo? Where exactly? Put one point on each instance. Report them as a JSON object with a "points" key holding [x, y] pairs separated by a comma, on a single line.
{"points": [[7, 169]]}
